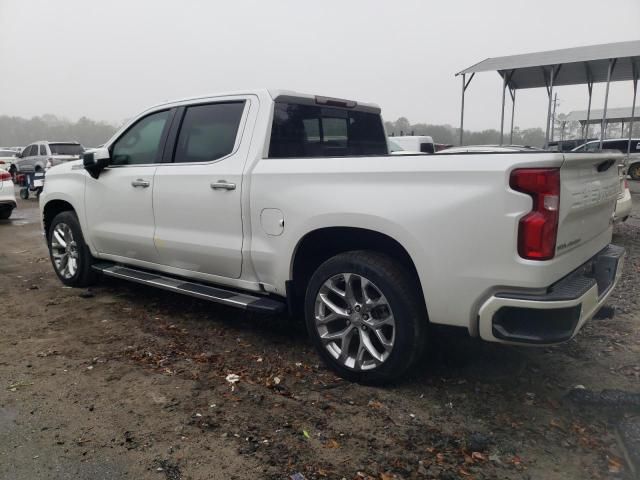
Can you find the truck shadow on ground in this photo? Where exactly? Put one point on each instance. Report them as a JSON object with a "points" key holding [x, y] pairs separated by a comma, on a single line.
{"points": [[450, 351]]}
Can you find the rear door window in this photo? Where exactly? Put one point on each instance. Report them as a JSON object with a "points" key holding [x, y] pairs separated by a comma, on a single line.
{"points": [[315, 131], [43, 150], [208, 132]]}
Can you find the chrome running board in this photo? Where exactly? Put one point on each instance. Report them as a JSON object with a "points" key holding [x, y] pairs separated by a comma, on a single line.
{"points": [[261, 304]]}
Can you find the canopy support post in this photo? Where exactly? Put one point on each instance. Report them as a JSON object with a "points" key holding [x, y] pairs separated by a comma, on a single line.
{"points": [[585, 132], [512, 92], [633, 106], [504, 91], [603, 125], [550, 95], [465, 85], [462, 108]]}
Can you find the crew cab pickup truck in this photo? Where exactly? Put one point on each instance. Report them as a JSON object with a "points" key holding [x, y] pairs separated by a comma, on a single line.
{"points": [[273, 201]]}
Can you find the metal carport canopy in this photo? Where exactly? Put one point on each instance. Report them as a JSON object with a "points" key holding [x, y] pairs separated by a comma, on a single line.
{"points": [[576, 66], [587, 65], [622, 114]]}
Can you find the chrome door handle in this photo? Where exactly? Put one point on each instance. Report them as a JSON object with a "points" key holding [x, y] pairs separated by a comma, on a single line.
{"points": [[223, 185], [140, 183]]}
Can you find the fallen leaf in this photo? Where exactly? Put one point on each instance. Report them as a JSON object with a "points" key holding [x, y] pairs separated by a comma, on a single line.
{"points": [[478, 456], [305, 433], [332, 444], [615, 465]]}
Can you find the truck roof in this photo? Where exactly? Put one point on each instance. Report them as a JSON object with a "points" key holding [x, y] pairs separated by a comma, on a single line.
{"points": [[275, 94]]}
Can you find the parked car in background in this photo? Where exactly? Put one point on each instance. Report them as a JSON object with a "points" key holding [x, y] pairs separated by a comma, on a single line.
{"points": [[7, 158], [490, 149], [621, 145], [567, 145], [395, 149], [628, 166], [7, 195], [624, 203], [415, 143], [242, 199], [42, 155]]}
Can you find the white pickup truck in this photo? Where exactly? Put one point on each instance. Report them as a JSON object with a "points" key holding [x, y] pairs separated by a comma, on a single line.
{"points": [[274, 200]]}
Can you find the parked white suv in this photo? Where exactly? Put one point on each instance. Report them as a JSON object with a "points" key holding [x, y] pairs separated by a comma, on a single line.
{"points": [[274, 200], [40, 156]]}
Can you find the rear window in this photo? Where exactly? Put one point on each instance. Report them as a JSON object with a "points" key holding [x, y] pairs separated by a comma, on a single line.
{"points": [[208, 132], [314, 131], [65, 149], [7, 153]]}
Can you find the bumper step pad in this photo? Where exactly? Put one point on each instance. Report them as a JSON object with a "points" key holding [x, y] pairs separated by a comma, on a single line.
{"points": [[198, 290]]}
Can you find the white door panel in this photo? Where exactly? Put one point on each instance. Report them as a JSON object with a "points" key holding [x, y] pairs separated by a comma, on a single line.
{"points": [[199, 228], [121, 214], [197, 205]]}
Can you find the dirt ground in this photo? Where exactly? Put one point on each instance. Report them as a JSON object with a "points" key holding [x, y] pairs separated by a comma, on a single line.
{"points": [[124, 381]]}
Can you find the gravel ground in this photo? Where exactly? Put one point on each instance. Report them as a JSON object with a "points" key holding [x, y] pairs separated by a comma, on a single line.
{"points": [[125, 381]]}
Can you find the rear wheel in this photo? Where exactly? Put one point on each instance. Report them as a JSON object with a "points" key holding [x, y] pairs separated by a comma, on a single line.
{"points": [[70, 255], [366, 316], [634, 171]]}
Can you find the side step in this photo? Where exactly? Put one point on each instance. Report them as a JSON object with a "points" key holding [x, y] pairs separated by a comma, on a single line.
{"points": [[199, 290]]}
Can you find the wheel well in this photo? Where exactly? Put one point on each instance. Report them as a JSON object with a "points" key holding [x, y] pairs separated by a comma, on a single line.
{"points": [[318, 246], [51, 209]]}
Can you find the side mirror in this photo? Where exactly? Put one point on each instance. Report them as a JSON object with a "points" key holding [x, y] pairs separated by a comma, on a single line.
{"points": [[95, 161]]}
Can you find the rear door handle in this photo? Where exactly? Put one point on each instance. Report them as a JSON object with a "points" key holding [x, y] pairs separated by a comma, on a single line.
{"points": [[140, 183], [223, 185]]}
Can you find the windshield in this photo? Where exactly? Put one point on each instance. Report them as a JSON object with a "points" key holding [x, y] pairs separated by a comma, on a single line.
{"points": [[66, 148], [393, 146]]}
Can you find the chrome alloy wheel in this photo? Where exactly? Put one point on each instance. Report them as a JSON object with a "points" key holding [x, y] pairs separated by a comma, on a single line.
{"points": [[354, 321], [64, 250]]}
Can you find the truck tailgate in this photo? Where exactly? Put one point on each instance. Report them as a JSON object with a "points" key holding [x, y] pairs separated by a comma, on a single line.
{"points": [[589, 187]]}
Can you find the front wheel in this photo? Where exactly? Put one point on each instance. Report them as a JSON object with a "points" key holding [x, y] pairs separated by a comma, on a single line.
{"points": [[634, 171], [5, 213], [366, 316], [70, 255]]}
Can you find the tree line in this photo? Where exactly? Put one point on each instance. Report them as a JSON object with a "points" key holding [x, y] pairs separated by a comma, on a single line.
{"points": [[17, 131], [534, 137], [450, 135]]}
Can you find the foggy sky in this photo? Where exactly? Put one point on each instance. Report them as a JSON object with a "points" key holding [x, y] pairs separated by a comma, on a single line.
{"points": [[108, 60]]}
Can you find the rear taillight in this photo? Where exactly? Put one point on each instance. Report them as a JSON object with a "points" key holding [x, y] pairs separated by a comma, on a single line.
{"points": [[5, 176], [538, 230]]}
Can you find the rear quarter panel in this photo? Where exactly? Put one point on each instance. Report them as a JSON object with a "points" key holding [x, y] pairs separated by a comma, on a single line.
{"points": [[454, 214]]}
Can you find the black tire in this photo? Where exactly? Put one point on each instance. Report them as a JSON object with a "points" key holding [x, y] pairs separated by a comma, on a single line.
{"points": [[634, 171], [401, 290], [5, 213], [84, 275], [24, 193]]}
